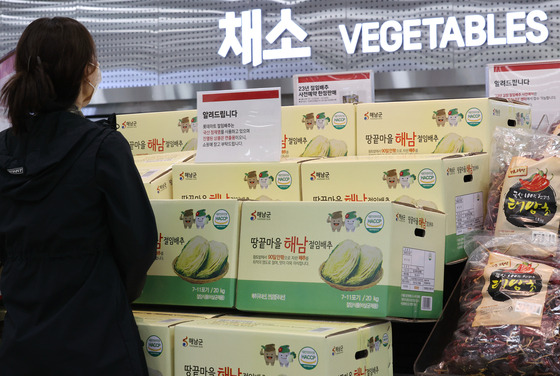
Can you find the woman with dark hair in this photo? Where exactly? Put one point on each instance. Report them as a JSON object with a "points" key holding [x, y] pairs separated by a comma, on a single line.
{"points": [[77, 232]]}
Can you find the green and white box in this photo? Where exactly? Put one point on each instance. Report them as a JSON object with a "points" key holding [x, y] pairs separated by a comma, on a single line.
{"points": [[159, 132], [240, 346], [342, 259], [435, 126], [157, 332], [327, 130], [456, 184], [196, 263], [238, 181]]}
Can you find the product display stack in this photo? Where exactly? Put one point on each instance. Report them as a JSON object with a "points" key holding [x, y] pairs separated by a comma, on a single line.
{"points": [[353, 230], [343, 188]]}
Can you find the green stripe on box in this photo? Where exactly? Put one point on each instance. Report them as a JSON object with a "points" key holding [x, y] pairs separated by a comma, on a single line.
{"points": [[415, 304], [454, 248], [175, 291], [310, 298]]}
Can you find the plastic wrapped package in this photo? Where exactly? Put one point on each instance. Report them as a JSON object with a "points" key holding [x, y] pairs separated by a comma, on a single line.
{"points": [[509, 311], [509, 144]]}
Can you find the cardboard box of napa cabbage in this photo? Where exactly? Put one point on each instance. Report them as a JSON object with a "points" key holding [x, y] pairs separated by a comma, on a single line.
{"points": [[319, 130], [456, 184], [155, 171], [285, 247], [157, 332], [193, 229], [159, 132], [254, 345], [242, 181], [435, 126]]}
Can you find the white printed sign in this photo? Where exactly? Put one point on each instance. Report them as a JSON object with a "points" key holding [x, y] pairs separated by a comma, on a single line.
{"points": [[350, 87], [535, 83], [251, 45], [239, 126]]}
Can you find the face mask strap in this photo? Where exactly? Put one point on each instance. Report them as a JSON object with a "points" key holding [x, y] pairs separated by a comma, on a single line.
{"points": [[90, 84], [94, 87]]}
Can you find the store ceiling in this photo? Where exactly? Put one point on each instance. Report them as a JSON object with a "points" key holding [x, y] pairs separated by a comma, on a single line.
{"points": [[168, 50]]}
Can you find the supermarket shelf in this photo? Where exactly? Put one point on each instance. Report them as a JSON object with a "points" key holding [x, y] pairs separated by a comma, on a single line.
{"points": [[389, 86]]}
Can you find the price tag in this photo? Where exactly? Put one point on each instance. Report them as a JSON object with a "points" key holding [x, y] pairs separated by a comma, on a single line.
{"points": [[350, 87], [239, 126]]}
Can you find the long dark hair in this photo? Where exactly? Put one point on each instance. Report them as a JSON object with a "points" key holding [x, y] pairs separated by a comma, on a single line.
{"points": [[52, 56]]}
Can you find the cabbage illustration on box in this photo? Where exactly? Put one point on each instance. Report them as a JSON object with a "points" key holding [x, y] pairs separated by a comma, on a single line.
{"points": [[435, 126], [196, 263], [319, 130], [260, 345], [160, 132], [352, 266], [341, 258]]}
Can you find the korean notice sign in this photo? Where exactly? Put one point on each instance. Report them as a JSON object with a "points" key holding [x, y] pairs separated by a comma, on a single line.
{"points": [[350, 87], [535, 83], [239, 126]]}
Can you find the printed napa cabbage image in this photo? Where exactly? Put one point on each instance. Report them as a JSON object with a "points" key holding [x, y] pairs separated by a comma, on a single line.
{"points": [[453, 143], [337, 148], [317, 147], [190, 145], [201, 259], [352, 265], [371, 259], [320, 146], [472, 145], [342, 261], [217, 257]]}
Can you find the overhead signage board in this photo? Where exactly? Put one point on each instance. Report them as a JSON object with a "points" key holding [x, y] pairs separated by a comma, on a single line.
{"points": [[415, 34], [535, 83], [239, 125], [332, 88]]}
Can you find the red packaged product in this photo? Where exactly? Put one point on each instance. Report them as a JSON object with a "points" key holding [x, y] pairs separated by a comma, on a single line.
{"points": [[510, 313]]}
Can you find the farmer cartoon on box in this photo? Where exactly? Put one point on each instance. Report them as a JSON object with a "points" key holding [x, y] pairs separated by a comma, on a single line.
{"points": [[454, 117], [440, 116], [351, 221], [184, 124], [308, 120], [251, 179], [406, 178], [391, 178], [285, 356], [269, 353], [202, 218], [194, 124], [336, 221], [265, 179], [322, 120], [187, 217]]}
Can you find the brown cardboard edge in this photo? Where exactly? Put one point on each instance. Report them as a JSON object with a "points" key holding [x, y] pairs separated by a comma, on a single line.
{"points": [[163, 172], [426, 208], [410, 320], [464, 155], [505, 100], [455, 262]]}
